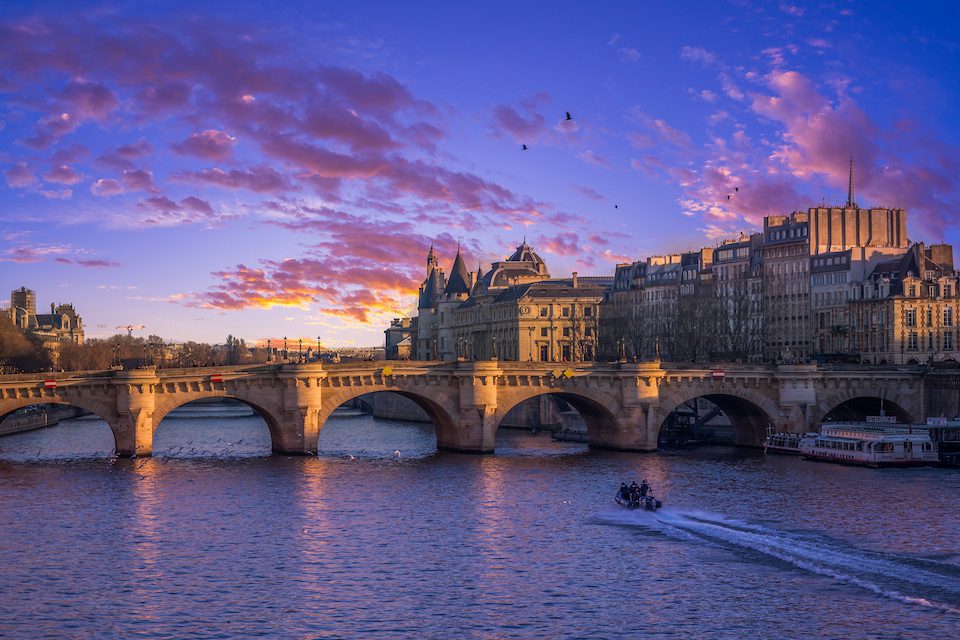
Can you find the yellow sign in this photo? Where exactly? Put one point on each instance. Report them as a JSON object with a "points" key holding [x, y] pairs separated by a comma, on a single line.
{"points": [[387, 371], [568, 373]]}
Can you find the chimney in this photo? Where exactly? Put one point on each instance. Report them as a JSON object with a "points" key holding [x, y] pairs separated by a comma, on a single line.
{"points": [[574, 278]]}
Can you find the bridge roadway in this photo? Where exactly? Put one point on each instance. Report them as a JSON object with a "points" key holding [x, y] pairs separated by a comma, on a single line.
{"points": [[623, 404]]}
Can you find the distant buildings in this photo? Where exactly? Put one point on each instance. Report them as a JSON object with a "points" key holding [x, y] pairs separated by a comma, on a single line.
{"points": [[61, 325], [837, 283]]}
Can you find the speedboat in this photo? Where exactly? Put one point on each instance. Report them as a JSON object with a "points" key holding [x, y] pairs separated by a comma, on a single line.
{"points": [[647, 502]]}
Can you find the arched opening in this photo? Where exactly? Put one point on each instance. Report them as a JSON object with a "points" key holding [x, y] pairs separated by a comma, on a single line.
{"points": [[714, 419], [54, 431], [222, 427], [377, 425], [552, 423], [866, 408]]}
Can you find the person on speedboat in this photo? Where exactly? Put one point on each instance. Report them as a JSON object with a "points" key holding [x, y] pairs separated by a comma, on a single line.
{"points": [[644, 488], [624, 491]]}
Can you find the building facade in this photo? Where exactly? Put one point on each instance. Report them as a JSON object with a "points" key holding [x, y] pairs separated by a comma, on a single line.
{"points": [[514, 311]]}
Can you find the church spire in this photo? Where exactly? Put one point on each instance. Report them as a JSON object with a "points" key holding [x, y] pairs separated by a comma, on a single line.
{"points": [[850, 201]]}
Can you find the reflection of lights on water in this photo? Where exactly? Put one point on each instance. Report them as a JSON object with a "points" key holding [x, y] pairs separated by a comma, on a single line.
{"points": [[144, 476]]}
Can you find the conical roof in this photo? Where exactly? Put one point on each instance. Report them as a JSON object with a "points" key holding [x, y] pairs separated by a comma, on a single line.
{"points": [[479, 288], [459, 282]]}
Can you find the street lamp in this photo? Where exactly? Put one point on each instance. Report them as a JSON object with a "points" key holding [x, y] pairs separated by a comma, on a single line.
{"points": [[284, 348], [300, 351], [269, 351], [318, 348]]}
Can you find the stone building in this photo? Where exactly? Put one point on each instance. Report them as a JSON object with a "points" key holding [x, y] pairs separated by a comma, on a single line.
{"points": [[514, 311], [834, 276], [738, 282], [786, 287], [398, 340], [61, 325], [906, 311]]}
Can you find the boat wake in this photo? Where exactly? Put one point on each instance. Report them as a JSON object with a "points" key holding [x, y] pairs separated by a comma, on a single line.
{"points": [[911, 580]]}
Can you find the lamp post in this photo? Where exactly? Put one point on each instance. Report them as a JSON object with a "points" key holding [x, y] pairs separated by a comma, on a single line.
{"points": [[494, 354], [300, 351], [318, 349], [284, 348], [269, 351]]}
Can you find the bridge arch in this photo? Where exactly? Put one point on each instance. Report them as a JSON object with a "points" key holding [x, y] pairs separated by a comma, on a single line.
{"points": [[102, 410], [600, 411], [749, 411], [439, 407], [856, 407], [268, 410]]}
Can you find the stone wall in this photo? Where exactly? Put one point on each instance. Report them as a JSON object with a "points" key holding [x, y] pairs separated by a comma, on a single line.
{"points": [[942, 394]]}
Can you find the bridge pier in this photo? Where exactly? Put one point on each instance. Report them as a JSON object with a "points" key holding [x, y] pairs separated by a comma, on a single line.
{"points": [[297, 433], [136, 403]]}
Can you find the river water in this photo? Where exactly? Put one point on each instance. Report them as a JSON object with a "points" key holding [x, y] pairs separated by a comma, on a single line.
{"points": [[215, 538]]}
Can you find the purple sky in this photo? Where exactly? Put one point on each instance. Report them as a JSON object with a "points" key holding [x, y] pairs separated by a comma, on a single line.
{"points": [[267, 169]]}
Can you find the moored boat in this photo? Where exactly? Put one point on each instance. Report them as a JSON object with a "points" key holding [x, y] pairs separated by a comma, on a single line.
{"points": [[785, 443], [871, 444]]}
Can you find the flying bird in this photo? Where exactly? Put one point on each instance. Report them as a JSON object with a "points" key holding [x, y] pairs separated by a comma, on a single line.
{"points": [[728, 196], [616, 206], [569, 117], [523, 147], [737, 189]]}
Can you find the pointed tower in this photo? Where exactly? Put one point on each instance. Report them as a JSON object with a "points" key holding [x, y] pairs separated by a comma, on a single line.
{"points": [[431, 261], [459, 282], [851, 203]]}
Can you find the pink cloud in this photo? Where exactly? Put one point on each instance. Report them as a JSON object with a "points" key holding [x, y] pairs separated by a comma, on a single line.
{"points": [[523, 129], [261, 179], [63, 174], [210, 145], [588, 192], [20, 176], [138, 180], [163, 211], [563, 244], [122, 157], [90, 263], [106, 187]]}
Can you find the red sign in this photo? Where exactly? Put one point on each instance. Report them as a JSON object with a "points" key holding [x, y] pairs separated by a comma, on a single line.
{"points": [[719, 374], [49, 384], [216, 378]]}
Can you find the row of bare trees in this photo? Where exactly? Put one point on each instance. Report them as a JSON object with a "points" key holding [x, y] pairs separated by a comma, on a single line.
{"points": [[710, 324], [25, 352]]}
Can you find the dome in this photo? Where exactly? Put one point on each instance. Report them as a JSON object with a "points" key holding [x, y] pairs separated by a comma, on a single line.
{"points": [[525, 253]]}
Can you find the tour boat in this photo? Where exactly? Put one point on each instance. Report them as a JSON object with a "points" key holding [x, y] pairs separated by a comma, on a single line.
{"points": [[872, 444], [785, 443]]}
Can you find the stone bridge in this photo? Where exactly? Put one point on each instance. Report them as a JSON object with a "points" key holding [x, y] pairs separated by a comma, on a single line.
{"points": [[623, 404]]}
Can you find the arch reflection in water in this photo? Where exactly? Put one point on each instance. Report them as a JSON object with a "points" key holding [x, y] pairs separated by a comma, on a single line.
{"points": [[377, 426], [73, 433], [547, 424], [221, 427]]}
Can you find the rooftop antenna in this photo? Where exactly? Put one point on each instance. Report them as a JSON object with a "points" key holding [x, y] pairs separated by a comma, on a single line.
{"points": [[850, 201]]}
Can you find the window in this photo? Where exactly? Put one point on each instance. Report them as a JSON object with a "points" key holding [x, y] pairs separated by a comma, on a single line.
{"points": [[588, 311], [543, 332], [544, 311], [566, 332], [929, 316], [912, 291], [910, 317], [948, 341], [544, 353], [566, 352], [565, 312], [930, 341], [948, 317], [588, 332], [912, 341]]}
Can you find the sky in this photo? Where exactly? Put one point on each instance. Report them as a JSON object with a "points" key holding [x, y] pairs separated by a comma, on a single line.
{"points": [[269, 169]]}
